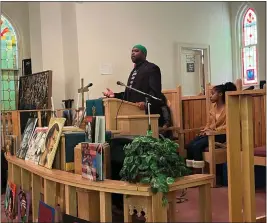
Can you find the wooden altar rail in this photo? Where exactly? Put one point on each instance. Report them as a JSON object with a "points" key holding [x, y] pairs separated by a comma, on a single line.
{"points": [[240, 155], [30, 176]]}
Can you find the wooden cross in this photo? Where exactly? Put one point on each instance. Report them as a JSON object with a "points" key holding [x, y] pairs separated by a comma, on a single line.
{"points": [[82, 90]]}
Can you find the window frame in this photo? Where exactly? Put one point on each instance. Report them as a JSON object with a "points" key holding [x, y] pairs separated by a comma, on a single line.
{"points": [[243, 46], [16, 70]]}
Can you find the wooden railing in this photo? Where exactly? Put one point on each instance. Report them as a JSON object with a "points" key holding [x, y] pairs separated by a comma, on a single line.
{"points": [[60, 187], [240, 155]]}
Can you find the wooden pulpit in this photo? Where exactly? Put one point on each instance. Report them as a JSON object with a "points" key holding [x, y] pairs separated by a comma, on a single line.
{"points": [[128, 118], [138, 124], [115, 107]]}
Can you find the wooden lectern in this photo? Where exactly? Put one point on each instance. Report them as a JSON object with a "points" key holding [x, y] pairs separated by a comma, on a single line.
{"points": [[130, 119], [138, 124]]}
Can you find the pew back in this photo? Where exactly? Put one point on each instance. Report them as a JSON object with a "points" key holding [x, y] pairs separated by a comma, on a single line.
{"points": [[259, 119], [173, 97], [240, 107], [188, 113], [194, 115]]}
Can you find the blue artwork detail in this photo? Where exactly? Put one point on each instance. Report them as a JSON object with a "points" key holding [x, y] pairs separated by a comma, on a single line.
{"points": [[250, 74]]}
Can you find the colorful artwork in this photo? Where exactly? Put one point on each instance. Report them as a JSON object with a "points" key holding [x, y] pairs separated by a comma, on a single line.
{"points": [[9, 47], [24, 201], [90, 128], [6, 202], [36, 144], [250, 28], [249, 48], [92, 161], [51, 142], [46, 213], [28, 132], [9, 65], [10, 201]]}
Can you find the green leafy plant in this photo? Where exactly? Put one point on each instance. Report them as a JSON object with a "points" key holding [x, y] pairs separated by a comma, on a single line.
{"points": [[153, 161]]}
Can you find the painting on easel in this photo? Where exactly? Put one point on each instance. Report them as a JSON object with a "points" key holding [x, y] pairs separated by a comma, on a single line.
{"points": [[51, 142]]}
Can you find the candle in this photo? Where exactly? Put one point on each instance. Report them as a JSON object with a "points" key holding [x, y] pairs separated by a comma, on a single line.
{"points": [[78, 101], [52, 102]]}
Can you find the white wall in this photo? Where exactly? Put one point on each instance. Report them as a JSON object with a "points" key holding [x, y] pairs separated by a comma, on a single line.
{"points": [[260, 8], [70, 50], [52, 48], [18, 14], [35, 37], [107, 32]]}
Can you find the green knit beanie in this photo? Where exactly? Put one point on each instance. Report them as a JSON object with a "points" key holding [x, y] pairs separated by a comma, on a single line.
{"points": [[141, 48]]}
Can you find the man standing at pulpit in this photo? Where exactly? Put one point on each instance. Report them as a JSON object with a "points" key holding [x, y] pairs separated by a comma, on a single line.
{"points": [[145, 77]]}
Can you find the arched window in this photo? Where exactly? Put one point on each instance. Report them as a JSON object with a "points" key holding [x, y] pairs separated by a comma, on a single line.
{"points": [[9, 65], [249, 48]]}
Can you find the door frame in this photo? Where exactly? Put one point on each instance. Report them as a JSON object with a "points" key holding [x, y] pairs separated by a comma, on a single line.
{"points": [[177, 57]]}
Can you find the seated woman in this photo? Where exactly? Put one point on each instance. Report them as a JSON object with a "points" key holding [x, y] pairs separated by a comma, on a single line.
{"points": [[216, 122], [165, 119]]}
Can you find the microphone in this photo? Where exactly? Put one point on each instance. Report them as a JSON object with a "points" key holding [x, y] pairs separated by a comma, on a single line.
{"points": [[121, 84], [140, 92], [89, 85], [85, 88]]}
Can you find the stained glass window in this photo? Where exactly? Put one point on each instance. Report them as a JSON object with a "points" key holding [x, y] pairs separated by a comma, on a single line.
{"points": [[9, 65], [9, 90], [249, 48]]}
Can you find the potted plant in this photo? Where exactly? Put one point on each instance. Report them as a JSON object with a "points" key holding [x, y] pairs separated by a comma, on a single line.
{"points": [[153, 161]]}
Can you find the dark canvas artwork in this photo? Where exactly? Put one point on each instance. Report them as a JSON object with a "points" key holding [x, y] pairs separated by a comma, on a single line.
{"points": [[35, 91]]}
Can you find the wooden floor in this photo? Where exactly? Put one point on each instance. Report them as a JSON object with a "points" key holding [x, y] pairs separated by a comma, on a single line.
{"points": [[188, 212]]}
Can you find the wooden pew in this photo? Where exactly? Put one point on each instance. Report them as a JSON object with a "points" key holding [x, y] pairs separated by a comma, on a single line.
{"points": [[259, 117], [186, 115], [192, 110], [173, 98], [216, 152], [240, 156]]}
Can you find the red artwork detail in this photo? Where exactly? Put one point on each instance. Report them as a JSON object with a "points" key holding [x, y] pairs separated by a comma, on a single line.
{"points": [[250, 18], [6, 30]]}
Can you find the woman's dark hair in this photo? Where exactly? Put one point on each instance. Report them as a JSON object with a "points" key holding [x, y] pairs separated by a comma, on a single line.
{"points": [[222, 88], [51, 132]]}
